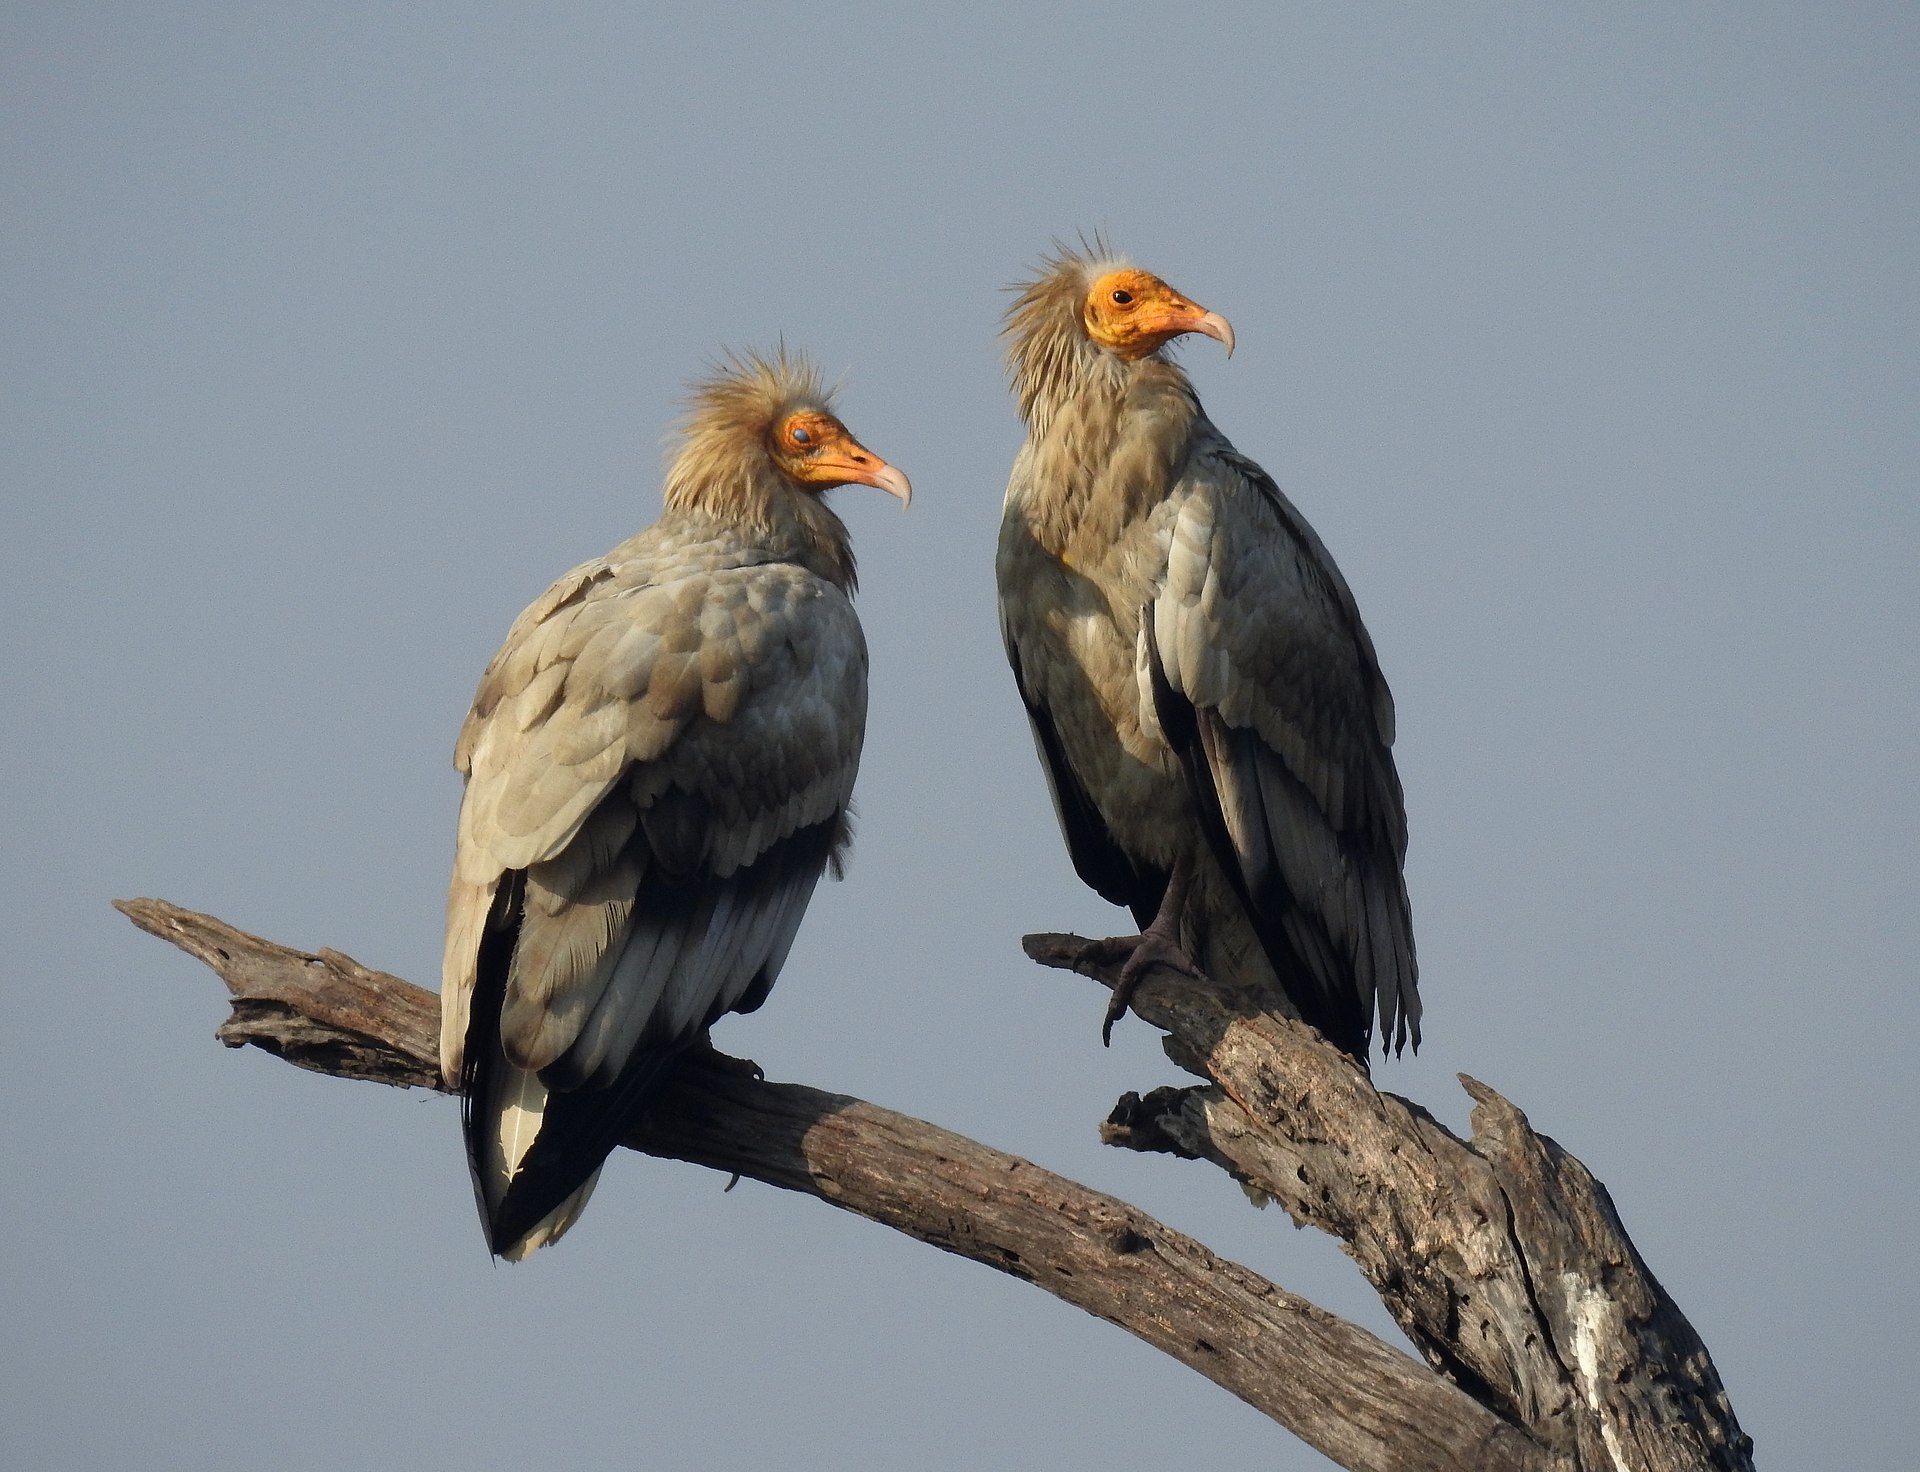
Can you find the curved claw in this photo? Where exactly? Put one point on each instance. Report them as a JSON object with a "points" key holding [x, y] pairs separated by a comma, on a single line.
{"points": [[1117, 1007], [1148, 949]]}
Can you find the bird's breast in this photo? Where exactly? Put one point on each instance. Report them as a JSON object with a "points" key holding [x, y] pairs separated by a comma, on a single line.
{"points": [[1078, 658]]}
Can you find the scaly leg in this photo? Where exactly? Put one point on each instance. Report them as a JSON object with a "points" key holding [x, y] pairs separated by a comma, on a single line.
{"points": [[1157, 945]]}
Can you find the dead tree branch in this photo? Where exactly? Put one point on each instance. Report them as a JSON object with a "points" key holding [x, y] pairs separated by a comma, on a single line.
{"points": [[1501, 1257]]}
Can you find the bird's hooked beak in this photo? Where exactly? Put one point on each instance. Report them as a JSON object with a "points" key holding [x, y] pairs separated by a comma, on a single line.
{"points": [[884, 477], [845, 461], [1180, 316], [1216, 327]]}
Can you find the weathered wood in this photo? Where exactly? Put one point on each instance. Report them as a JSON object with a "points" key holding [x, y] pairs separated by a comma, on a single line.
{"points": [[1360, 1401], [321, 1010], [1500, 1257]]}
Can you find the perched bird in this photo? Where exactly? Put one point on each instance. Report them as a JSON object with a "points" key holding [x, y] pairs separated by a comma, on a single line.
{"points": [[658, 765], [1206, 703]]}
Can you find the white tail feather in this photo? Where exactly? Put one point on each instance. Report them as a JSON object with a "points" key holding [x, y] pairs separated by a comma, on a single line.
{"points": [[523, 1104]]}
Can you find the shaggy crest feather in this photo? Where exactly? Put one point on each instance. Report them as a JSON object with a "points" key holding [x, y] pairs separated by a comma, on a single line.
{"points": [[1048, 350], [722, 467], [1078, 400]]}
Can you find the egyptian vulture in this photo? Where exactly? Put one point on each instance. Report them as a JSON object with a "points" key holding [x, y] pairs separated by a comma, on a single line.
{"points": [[1206, 703], [658, 764]]}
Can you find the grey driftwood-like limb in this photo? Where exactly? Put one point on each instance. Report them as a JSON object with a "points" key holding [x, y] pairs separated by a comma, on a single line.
{"points": [[1362, 1402], [1500, 1256]]}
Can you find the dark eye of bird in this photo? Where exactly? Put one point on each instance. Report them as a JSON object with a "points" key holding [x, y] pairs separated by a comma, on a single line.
{"points": [[1122, 298]]}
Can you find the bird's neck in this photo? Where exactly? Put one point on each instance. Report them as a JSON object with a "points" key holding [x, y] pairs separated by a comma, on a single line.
{"points": [[808, 533], [1109, 440], [757, 504]]}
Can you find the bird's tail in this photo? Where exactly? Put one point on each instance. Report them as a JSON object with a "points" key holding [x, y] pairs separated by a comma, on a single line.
{"points": [[536, 1153], [516, 1106]]}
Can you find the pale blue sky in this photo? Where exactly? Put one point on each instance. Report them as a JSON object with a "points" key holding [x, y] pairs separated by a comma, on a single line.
{"points": [[1588, 338]]}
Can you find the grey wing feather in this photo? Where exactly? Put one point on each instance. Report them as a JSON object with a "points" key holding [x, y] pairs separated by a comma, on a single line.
{"points": [[1255, 632]]}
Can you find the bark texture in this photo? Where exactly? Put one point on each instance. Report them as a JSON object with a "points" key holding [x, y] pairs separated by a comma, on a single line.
{"points": [[1551, 1345]]}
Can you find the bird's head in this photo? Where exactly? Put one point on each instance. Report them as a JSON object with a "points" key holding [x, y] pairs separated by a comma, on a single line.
{"points": [[757, 414], [814, 450], [1132, 313], [1084, 319]]}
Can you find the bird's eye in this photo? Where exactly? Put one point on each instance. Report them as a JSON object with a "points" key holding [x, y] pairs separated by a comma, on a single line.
{"points": [[799, 436], [1123, 298]]}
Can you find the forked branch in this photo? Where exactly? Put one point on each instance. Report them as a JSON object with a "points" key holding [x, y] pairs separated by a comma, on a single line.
{"points": [[1473, 1215]]}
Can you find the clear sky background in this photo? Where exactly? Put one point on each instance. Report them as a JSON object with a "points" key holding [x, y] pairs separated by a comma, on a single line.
{"points": [[1589, 339]]}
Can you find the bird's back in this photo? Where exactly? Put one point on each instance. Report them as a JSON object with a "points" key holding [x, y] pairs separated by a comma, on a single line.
{"points": [[658, 761]]}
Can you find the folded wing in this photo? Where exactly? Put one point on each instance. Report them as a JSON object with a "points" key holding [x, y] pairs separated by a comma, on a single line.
{"points": [[659, 762], [1264, 680]]}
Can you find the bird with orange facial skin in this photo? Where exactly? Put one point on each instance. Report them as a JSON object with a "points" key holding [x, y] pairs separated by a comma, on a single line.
{"points": [[658, 768], [1206, 703]]}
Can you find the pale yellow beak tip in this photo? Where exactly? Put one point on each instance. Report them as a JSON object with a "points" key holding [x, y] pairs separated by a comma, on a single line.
{"points": [[1219, 328], [887, 479]]}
